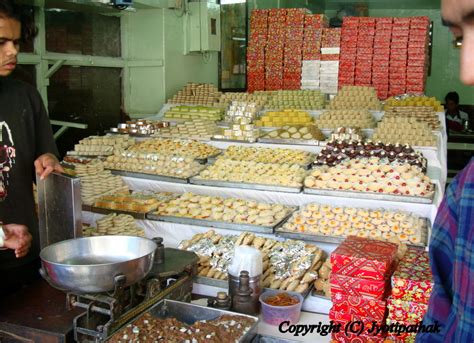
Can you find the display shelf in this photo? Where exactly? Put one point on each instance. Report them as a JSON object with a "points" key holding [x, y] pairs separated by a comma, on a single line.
{"points": [[330, 239], [370, 195], [100, 210], [149, 176], [255, 186]]}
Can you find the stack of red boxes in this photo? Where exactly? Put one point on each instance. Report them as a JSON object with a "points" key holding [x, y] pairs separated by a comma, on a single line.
{"points": [[390, 54], [360, 282], [330, 52], [347, 61], [313, 25], [313, 29], [381, 58], [418, 54], [256, 50], [398, 56], [411, 291], [365, 51], [293, 57], [274, 49]]}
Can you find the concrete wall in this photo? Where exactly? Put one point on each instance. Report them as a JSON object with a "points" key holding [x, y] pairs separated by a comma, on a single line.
{"points": [[154, 47]]}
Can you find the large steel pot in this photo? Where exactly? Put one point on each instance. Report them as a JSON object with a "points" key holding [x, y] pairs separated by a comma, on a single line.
{"points": [[89, 265]]}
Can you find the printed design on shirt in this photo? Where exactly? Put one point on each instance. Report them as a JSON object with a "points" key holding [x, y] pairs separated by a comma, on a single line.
{"points": [[7, 157]]}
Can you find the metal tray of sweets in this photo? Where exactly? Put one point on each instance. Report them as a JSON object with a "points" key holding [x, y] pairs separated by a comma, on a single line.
{"points": [[254, 186], [333, 239], [288, 141], [101, 210], [218, 224], [370, 196], [203, 280], [246, 141], [149, 176], [269, 339], [190, 313]]}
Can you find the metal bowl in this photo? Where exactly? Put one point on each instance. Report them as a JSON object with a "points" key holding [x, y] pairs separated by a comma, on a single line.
{"points": [[89, 265]]}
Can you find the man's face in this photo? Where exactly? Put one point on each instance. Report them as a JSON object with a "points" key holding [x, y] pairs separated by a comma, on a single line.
{"points": [[10, 33], [459, 16], [451, 106]]}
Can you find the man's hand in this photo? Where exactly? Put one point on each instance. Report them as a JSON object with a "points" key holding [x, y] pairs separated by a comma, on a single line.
{"points": [[17, 238], [46, 164]]}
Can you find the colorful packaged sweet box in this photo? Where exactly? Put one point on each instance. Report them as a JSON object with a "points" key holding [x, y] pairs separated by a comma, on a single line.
{"points": [[406, 311], [364, 258], [359, 306], [347, 285], [412, 280]]}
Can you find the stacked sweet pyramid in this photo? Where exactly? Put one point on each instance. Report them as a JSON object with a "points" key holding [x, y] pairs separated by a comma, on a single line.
{"points": [[360, 283], [411, 290]]}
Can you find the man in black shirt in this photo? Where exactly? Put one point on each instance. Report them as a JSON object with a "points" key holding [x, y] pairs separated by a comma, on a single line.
{"points": [[26, 145]]}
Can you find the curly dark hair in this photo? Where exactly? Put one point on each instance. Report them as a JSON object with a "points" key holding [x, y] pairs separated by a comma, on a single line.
{"points": [[24, 14]]}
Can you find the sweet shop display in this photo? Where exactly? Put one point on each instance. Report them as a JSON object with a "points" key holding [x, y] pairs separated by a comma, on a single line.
{"points": [[275, 49], [196, 129], [226, 328], [194, 112], [154, 164], [355, 98], [114, 224], [413, 101], [372, 175], [267, 155], [184, 148], [390, 54], [231, 210], [346, 134], [204, 94], [325, 220], [140, 127], [101, 145], [139, 202], [251, 172], [303, 133], [284, 118], [336, 152], [289, 265], [424, 114], [302, 99], [331, 119], [405, 131]]}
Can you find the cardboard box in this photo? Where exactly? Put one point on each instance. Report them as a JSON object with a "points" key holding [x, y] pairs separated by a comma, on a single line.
{"points": [[360, 306], [360, 257], [346, 285], [406, 311]]}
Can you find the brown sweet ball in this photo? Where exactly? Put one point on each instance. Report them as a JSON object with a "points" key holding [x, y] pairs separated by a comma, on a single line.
{"points": [[319, 284]]}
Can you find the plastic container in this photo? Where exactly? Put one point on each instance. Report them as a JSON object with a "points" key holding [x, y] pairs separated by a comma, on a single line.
{"points": [[275, 315]]}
